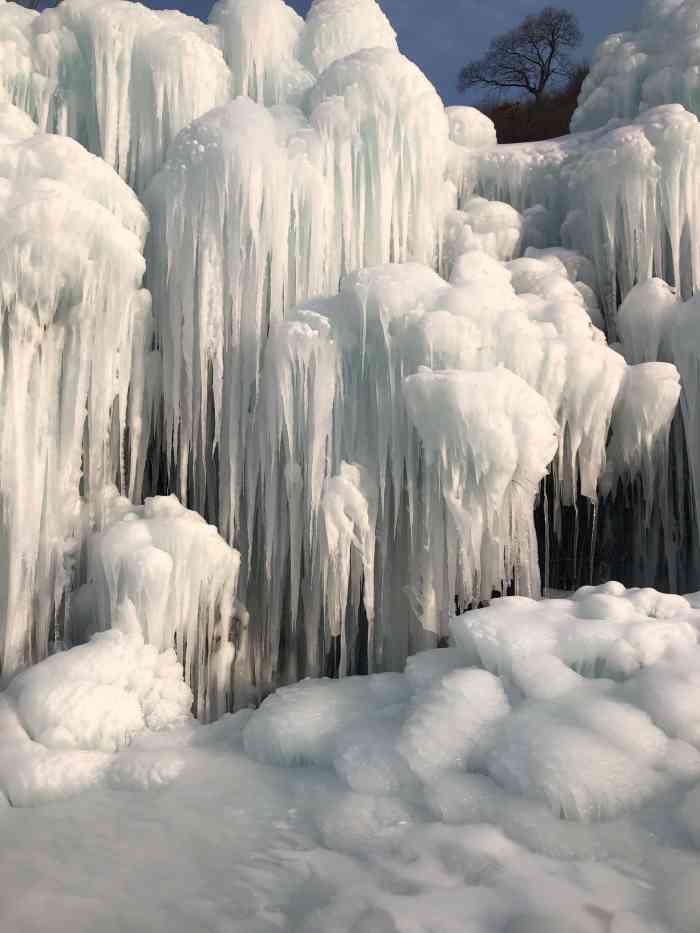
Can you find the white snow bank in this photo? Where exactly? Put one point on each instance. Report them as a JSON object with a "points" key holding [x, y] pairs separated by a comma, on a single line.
{"points": [[531, 799], [582, 703]]}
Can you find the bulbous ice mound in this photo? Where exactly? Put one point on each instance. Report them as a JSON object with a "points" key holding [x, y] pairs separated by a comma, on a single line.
{"points": [[635, 71], [73, 366], [336, 28], [98, 696], [63, 721], [471, 128]]}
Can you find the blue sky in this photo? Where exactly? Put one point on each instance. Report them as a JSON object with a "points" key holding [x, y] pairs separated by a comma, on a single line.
{"points": [[441, 35]]}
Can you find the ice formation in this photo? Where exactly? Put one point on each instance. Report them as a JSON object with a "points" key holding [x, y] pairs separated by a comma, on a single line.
{"points": [[181, 577], [396, 366]]}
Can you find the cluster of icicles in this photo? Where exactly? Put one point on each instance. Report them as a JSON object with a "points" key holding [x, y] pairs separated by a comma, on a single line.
{"points": [[278, 368]]}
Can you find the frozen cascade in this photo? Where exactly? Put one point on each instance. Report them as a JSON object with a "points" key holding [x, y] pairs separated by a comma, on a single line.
{"points": [[385, 142], [374, 332], [72, 313], [259, 39], [488, 439]]}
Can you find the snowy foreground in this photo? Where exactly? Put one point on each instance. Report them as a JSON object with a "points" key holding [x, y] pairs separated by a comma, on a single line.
{"points": [[540, 776]]}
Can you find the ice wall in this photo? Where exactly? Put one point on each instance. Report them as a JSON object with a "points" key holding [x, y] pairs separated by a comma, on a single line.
{"points": [[379, 341]]}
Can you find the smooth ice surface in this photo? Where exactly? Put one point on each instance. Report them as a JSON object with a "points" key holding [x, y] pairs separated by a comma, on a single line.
{"points": [[541, 774]]}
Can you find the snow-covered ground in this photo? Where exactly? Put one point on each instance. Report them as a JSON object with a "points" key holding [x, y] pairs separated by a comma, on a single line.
{"points": [[540, 775]]}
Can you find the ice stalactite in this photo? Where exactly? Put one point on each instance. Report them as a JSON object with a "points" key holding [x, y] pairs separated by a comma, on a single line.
{"points": [[638, 467], [75, 327], [286, 471], [349, 516], [232, 215], [181, 579]]}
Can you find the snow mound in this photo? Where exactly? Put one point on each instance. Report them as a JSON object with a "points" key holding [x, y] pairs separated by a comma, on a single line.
{"points": [[605, 631], [100, 695], [584, 704], [63, 720]]}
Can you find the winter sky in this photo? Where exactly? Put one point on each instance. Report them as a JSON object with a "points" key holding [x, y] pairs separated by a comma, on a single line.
{"points": [[442, 35]]}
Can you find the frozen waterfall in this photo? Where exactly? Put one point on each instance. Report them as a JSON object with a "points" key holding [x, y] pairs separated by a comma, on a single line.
{"points": [[388, 367]]}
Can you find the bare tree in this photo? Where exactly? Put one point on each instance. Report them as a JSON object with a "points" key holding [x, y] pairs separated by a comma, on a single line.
{"points": [[528, 58], [35, 4]]}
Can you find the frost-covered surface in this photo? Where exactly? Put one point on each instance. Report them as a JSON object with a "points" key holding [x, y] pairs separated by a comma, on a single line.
{"points": [[541, 774]]}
